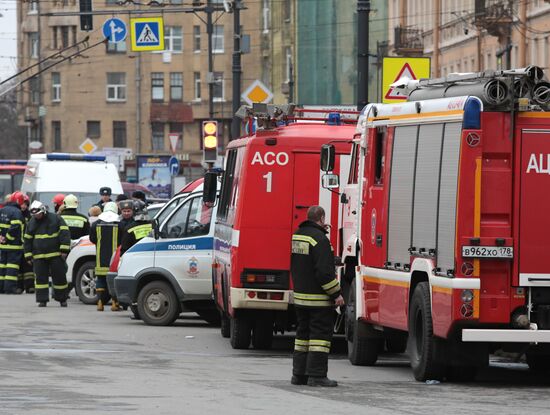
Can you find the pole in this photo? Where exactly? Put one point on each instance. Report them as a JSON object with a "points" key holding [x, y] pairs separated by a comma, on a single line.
{"points": [[437, 23], [522, 38], [237, 70], [209, 29], [290, 82], [363, 10]]}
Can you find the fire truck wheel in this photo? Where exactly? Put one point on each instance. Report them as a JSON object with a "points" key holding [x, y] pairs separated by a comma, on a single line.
{"points": [[396, 344], [262, 334], [157, 304], [241, 331], [538, 363], [422, 344], [362, 351], [225, 325]]}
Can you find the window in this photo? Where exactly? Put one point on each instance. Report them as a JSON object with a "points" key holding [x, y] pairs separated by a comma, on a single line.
{"points": [[217, 39], [34, 90], [197, 86], [218, 87], [191, 219], [64, 37], [56, 135], [196, 39], [111, 2], [287, 9], [379, 155], [56, 87], [157, 136], [173, 39], [176, 86], [116, 86], [33, 45], [119, 134], [227, 184], [93, 129], [354, 166], [177, 128], [116, 47], [157, 86], [288, 68], [33, 6]]}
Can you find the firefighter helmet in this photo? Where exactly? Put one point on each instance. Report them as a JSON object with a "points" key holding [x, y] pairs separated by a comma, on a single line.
{"points": [[19, 197], [140, 210], [58, 199], [70, 201], [110, 207], [37, 207]]}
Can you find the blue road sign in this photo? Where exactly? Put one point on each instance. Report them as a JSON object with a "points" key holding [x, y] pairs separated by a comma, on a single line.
{"points": [[115, 30], [174, 166]]}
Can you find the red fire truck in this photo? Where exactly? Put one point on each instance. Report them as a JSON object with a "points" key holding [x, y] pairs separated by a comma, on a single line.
{"points": [[271, 178], [446, 222], [11, 176]]}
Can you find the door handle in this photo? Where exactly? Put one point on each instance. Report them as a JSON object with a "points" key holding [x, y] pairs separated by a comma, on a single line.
{"points": [[302, 207]]}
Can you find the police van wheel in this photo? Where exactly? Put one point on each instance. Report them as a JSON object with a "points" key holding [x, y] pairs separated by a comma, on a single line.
{"points": [[262, 334], [85, 283], [157, 304], [225, 325], [423, 345], [241, 333]]}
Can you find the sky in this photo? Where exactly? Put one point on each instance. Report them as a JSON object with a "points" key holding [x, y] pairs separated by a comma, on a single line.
{"points": [[8, 35]]}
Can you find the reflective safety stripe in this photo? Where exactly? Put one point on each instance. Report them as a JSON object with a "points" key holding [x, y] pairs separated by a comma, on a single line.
{"points": [[302, 296], [332, 287], [10, 278], [304, 238], [74, 221], [43, 256], [2, 278], [313, 303], [314, 342], [46, 235], [16, 222], [41, 286], [28, 255], [301, 345], [65, 247], [9, 237], [28, 275], [2, 266], [28, 236], [14, 266], [13, 247], [299, 348], [60, 287], [63, 228], [5, 225], [321, 349], [141, 231]]}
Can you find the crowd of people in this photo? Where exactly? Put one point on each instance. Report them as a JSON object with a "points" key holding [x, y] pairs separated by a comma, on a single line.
{"points": [[34, 242]]}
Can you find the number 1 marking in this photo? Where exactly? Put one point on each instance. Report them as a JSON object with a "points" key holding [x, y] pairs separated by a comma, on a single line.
{"points": [[269, 178]]}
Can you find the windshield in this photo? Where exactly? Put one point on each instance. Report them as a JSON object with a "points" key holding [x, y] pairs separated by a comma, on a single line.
{"points": [[168, 208], [85, 200]]}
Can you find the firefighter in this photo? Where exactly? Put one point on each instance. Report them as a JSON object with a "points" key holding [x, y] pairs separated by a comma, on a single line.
{"points": [[78, 223], [138, 229], [127, 213], [316, 292], [26, 276], [47, 243], [105, 193], [57, 202], [11, 244], [104, 233]]}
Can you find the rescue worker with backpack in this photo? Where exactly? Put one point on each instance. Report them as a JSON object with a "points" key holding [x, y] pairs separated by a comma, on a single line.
{"points": [[106, 236], [78, 224], [47, 243], [26, 275], [11, 244], [138, 229], [316, 292]]}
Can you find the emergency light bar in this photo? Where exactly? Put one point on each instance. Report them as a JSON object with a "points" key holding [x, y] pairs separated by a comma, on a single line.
{"points": [[79, 157], [13, 162]]}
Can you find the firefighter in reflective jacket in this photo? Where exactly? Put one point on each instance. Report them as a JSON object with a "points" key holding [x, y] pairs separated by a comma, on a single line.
{"points": [[11, 246], [138, 229], [105, 234], [78, 223], [47, 243], [316, 292]]}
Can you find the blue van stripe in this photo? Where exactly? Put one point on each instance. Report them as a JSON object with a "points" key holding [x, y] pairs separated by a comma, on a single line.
{"points": [[174, 245]]}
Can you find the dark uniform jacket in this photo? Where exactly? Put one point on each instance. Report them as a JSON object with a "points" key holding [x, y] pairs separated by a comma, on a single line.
{"points": [[47, 238], [135, 231], [106, 236], [11, 226], [312, 267], [78, 223], [101, 203], [123, 224]]}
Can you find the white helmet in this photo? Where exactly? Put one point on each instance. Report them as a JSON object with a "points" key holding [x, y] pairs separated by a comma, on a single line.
{"points": [[110, 207], [70, 201], [37, 207]]}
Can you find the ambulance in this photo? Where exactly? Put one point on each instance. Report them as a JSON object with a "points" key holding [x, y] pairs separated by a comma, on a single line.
{"points": [[169, 271]]}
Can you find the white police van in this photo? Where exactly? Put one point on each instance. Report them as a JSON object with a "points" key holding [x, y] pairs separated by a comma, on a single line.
{"points": [[170, 271]]}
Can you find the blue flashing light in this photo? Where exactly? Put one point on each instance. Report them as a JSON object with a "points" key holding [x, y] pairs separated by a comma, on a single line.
{"points": [[74, 157], [334, 118], [13, 162], [472, 114]]}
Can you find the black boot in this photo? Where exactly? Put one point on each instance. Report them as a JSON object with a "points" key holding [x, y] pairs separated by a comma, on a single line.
{"points": [[42, 304], [299, 380], [63, 303], [318, 381]]}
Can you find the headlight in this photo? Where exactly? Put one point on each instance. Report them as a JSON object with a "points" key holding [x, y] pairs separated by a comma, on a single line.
{"points": [[467, 296]]}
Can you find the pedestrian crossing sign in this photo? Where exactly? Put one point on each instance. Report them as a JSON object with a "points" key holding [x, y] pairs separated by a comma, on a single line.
{"points": [[147, 33]]}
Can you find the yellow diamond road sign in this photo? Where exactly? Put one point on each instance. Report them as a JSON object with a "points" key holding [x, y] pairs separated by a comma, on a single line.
{"points": [[88, 146], [257, 92], [394, 69]]}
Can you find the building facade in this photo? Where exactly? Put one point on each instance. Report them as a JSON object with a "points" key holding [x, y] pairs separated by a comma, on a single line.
{"points": [[472, 35], [124, 99]]}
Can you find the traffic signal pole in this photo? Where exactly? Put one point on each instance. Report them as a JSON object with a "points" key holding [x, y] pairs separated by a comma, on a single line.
{"points": [[363, 11], [237, 69], [209, 29]]}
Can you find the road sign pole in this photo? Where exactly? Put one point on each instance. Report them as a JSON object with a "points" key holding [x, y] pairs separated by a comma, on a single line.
{"points": [[236, 123]]}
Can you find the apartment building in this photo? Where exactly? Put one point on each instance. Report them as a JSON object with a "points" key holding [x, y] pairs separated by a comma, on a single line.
{"points": [[471, 35], [120, 98]]}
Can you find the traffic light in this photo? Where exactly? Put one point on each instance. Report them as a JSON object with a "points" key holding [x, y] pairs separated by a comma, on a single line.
{"points": [[210, 141], [86, 20]]}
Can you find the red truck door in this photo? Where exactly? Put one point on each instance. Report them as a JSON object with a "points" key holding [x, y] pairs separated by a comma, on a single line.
{"points": [[306, 186], [534, 223]]}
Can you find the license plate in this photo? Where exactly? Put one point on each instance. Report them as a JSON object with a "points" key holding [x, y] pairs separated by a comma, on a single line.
{"points": [[487, 251]]}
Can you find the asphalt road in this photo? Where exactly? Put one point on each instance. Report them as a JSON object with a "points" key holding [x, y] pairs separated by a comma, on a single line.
{"points": [[80, 361]]}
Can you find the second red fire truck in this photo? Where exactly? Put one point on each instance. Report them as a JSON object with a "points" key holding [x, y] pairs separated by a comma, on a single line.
{"points": [[446, 223]]}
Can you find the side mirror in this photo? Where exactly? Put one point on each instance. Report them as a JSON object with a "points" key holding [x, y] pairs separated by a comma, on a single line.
{"points": [[209, 188], [156, 233], [330, 181], [327, 157]]}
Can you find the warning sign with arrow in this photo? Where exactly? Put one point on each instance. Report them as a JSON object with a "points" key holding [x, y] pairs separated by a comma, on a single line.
{"points": [[394, 69]]}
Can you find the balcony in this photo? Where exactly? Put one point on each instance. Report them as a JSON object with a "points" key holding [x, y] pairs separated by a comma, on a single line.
{"points": [[408, 41], [494, 16]]}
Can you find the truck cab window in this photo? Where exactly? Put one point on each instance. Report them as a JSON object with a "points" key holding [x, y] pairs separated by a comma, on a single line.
{"points": [[379, 154], [227, 184], [354, 166]]}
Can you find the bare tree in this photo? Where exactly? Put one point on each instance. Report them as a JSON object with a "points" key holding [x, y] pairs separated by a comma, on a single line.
{"points": [[12, 135]]}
